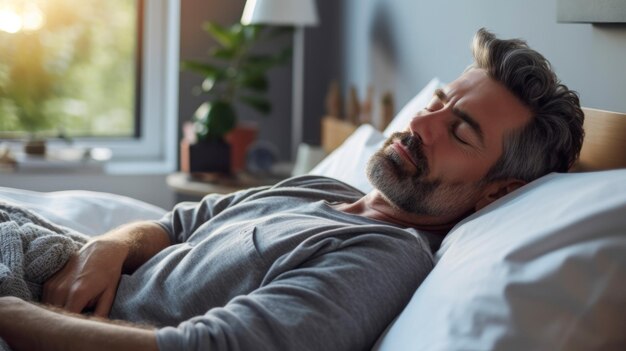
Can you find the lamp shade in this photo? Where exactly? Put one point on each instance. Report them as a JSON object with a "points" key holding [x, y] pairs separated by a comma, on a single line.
{"points": [[280, 12]]}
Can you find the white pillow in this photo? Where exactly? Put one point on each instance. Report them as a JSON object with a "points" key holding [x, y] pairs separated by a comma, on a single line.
{"points": [[347, 162], [543, 268]]}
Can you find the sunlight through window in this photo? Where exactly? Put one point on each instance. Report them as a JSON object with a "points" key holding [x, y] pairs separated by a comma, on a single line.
{"points": [[69, 68]]}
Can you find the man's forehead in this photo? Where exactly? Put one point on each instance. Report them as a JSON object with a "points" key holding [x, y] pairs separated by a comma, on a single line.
{"points": [[488, 102], [466, 81]]}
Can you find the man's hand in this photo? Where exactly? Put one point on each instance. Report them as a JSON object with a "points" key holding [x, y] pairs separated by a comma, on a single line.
{"points": [[89, 279]]}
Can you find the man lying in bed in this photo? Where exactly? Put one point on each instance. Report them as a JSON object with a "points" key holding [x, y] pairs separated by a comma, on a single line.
{"points": [[311, 263]]}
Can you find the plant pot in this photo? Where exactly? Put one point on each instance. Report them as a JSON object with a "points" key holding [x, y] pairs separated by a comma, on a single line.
{"points": [[36, 147], [240, 139], [205, 157]]}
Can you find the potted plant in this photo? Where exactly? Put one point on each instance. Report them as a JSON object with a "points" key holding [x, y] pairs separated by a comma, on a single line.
{"points": [[235, 73]]}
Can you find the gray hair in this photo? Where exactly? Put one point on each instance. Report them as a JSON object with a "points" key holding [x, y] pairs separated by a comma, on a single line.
{"points": [[552, 140]]}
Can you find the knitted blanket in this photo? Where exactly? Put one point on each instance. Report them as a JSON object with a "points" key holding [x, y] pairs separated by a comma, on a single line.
{"points": [[31, 250]]}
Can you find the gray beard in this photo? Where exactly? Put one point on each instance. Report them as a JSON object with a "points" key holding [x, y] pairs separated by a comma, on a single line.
{"points": [[406, 191]]}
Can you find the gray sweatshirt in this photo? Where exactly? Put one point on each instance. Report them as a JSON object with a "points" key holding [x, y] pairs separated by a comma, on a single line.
{"points": [[275, 269]]}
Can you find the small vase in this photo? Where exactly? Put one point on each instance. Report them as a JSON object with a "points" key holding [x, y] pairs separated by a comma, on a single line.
{"points": [[35, 147], [240, 139]]}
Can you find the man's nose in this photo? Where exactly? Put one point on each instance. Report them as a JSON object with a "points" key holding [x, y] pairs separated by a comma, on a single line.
{"points": [[428, 126]]}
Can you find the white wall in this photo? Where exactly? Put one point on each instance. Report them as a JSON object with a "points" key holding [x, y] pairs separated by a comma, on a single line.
{"points": [[401, 44]]}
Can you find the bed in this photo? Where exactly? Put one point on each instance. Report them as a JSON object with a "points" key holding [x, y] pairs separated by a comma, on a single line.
{"points": [[543, 268]]}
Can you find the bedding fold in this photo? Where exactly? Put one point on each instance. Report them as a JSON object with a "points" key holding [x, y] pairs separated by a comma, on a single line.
{"points": [[31, 250]]}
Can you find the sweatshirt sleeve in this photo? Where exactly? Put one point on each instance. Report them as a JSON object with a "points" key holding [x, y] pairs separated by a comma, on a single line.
{"points": [[186, 217], [341, 298]]}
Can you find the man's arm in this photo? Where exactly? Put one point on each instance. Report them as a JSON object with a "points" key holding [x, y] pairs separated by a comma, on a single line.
{"points": [[25, 326], [90, 277]]}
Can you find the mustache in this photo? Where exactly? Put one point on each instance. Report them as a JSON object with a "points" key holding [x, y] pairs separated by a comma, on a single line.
{"points": [[413, 145]]}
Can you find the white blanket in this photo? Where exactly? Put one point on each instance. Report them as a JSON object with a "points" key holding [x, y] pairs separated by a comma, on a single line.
{"points": [[87, 212]]}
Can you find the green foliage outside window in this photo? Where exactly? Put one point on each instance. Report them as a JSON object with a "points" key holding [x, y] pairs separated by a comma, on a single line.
{"points": [[75, 74]]}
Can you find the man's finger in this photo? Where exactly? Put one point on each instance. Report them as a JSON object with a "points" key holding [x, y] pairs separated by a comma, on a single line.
{"points": [[104, 304], [53, 294], [54, 288], [46, 292], [77, 300]]}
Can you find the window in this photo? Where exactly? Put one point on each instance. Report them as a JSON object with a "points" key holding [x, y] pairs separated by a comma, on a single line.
{"points": [[103, 73]]}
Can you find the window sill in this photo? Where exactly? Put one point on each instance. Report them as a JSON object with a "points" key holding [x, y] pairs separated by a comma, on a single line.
{"points": [[57, 162], [139, 167]]}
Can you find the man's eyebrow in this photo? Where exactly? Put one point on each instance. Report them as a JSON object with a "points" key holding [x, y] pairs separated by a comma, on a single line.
{"points": [[441, 95], [472, 123]]}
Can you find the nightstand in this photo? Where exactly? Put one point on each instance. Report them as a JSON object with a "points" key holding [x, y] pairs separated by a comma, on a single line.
{"points": [[192, 187]]}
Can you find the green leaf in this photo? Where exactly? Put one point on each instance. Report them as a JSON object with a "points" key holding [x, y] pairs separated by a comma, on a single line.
{"points": [[212, 120], [262, 63], [256, 82], [253, 32], [258, 103], [206, 69], [259, 63], [227, 37], [224, 53]]}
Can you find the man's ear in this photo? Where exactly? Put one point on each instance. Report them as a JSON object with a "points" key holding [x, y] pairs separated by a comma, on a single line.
{"points": [[496, 190]]}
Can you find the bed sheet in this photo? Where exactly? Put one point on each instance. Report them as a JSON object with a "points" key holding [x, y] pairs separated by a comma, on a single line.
{"points": [[87, 212]]}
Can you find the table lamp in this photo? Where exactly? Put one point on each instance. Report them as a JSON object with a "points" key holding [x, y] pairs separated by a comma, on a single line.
{"points": [[296, 13]]}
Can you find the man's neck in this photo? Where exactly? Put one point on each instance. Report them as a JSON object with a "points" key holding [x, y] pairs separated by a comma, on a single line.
{"points": [[376, 206]]}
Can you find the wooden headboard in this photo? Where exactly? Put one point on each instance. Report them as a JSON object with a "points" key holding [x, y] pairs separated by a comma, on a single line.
{"points": [[604, 146], [605, 141]]}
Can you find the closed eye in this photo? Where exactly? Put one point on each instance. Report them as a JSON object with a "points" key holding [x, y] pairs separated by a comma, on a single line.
{"points": [[471, 123], [455, 132]]}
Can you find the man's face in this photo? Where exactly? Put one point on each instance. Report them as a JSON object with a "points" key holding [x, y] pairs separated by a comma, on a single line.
{"points": [[436, 166]]}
